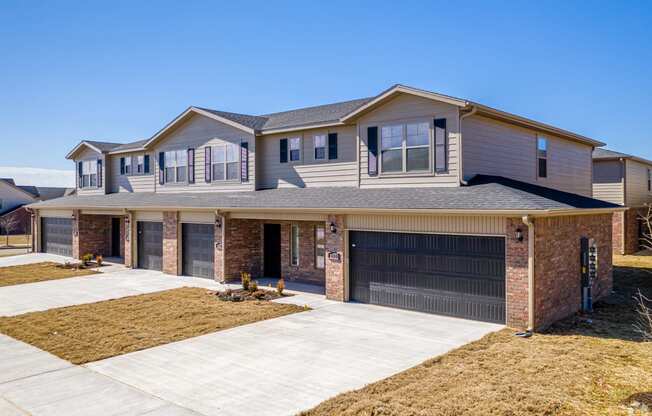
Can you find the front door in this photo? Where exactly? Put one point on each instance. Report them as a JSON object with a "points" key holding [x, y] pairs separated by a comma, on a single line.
{"points": [[150, 245], [115, 237], [272, 247]]}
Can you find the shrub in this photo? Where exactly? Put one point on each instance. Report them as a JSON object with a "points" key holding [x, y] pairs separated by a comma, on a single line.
{"points": [[99, 260], [254, 286], [259, 294], [87, 258], [280, 287], [246, 280]]}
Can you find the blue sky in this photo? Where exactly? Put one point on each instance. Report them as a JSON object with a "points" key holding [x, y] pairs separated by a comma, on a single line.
{"points": [[119, 71]]}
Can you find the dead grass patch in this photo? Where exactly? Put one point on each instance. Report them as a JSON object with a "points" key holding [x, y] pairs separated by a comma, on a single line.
{"points": [[575, 368], [16, 240], [91, 332], [38, 272]]}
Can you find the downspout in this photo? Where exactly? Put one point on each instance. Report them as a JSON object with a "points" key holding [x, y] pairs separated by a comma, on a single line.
{"points": [[530, 273], [460, 158]]}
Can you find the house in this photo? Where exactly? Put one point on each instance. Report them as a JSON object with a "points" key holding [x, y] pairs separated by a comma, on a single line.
{"points": [[625, 180], [408, 199], [13, 199]]}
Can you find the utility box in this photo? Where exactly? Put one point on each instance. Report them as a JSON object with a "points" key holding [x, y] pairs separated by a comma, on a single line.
{"points": [[589, 271]]}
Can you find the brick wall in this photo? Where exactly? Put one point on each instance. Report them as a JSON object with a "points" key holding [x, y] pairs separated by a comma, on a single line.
{"points": [[618, 226], [557, 264], [626, 232], [306, 270], [171, 243], [94, 235], [23, 221], [516, 274], [335, 268], [127, 241], [242, 248]]}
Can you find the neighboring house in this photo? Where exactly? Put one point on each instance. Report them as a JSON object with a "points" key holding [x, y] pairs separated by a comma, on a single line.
{"points": [[409, 199], [13, 199], [624, 180]]}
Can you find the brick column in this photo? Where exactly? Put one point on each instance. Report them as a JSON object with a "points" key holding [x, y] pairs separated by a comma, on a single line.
{"points": [[75, 234], [516, 274], [219, 247], [335, 266], [171, 243], [36, 231], [127, 224]]}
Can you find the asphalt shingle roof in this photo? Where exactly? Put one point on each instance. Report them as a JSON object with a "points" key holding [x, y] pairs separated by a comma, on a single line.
{"points": [[600, 153], [312, 115], [488, 193], [103, 146]]}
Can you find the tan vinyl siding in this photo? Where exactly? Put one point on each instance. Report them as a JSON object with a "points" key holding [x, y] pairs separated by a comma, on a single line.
{"points": [[88, 154], [134, 182], [154, 216], [469, 225], [404, 109], [491, 147], [55, 213], [608, 181], [308, 172], [197, 217], [199, 132], [11, 197], [636, 190]]}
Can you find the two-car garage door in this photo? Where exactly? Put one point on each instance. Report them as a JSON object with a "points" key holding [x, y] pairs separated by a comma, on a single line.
{"points": [[461, 276]]}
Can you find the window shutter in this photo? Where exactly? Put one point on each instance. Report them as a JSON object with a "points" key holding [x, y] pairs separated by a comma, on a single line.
{"points": [[441, 145], [207, 163], [284, 150], [122, 166], [99, 173], [80, 172], [372, 151], [146, 164], [244, 162], [161, 168], [191, 165], [332, 145]]}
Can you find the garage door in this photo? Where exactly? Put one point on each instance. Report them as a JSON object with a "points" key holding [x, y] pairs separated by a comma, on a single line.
{"points": [[461, 276], [198, 249], [150, 245], [56, 236]]}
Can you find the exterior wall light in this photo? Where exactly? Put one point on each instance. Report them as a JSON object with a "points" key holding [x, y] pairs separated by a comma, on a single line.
{"points": [[333, 228], [519, 234], [218, 222]]}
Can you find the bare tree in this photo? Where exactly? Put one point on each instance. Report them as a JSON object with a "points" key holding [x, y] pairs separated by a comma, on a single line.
{"points": [[643, 324], [8, 223], [646, 233]]}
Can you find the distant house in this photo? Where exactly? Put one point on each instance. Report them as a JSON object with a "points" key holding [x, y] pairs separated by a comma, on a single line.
{"points": [[13, 199]]}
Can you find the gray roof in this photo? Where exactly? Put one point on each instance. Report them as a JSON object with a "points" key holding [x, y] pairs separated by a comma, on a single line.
{"points": [[132, 145], [488, 193], [254, 122], [46, 192], [312, 115], [9, 180], [601, 153], [103, 146]]}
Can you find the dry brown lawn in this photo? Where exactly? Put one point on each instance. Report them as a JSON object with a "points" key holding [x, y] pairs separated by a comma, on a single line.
{"points": [[16, 240], [38, 272], [575, 368], [91, 332]]}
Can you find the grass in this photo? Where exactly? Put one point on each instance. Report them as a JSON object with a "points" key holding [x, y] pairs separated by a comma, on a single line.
{"points": [[38, 272], [575, 368], [91, 332], [16, 240]]}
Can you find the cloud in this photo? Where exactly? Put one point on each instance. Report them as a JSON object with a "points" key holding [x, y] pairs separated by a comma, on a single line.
{"points": [[39, 177]]}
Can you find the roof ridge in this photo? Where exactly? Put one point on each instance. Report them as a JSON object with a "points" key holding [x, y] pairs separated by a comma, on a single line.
{"points": [[316, 106]]}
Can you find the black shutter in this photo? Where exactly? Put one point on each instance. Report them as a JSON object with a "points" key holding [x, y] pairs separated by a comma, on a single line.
{"points": [[332, 145], [161, 168], [80, 173], [284, 150], [191, 165], [146, 164], [372, 155], [207, 163], [99, 173], [441, 145], [122, 166], [244, 162]]}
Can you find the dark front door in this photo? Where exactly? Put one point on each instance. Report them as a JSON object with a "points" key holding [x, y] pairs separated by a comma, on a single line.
{"points": [[461, 276], [150, 245], [115, 237], [197, 247], [272, 247], [56, 236]]}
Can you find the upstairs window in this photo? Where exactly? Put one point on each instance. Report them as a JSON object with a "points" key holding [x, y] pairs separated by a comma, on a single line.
{"points": [[225, 164], [140, 164], [89, 173], [176, 164], [405, 148], [128, 166], [542, 157], [295, 148], [320, 147]]}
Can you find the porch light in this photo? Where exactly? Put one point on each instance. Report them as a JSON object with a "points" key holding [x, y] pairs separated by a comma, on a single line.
{"points": [[218, 222], [333, 228], [519, 234]]}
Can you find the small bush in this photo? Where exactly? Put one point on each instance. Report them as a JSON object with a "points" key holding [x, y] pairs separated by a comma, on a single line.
{"points": [[87, 258], [280, 287], [259, 294], [246, 280], [99, 260], [254, 286]]}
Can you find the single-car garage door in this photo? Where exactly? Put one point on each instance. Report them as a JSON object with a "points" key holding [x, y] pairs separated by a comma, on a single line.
{"points": [[56, 236], [461, 276], [150, 245], [198, 249]]}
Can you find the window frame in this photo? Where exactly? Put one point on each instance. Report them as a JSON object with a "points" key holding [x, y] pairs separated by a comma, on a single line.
{"points": [[298, 149], [175, 166], [542, 156], [323, 147], [140, 164], [404, 148], [90, 175], [295, 240], [320, 247], [128, 171], [225, 163]]}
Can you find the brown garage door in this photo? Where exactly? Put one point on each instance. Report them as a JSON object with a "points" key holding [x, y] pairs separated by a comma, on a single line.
{"points": [[461, 276]]}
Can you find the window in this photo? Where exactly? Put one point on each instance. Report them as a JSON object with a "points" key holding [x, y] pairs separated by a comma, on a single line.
{"points": [[176, 163], [140, 164], [320, 147], [542, 157], [127, 166], [295, 148], [649, 180], [320, 247], [225, 162], [89, 173], [294, 246], [405, 148]]}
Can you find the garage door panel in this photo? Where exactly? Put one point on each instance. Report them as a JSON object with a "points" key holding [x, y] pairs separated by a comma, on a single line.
{"points": [[198, 250], [150, 245], [56, 236], [454, 275]]}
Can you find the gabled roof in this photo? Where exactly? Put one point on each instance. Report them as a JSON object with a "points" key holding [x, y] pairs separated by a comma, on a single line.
{"points": [[12, 183], [606, 154], [99, 147]]}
